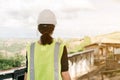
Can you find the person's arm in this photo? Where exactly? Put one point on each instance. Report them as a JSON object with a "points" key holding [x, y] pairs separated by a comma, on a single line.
{"points": [[25, 76], [64, 66], [65, 75]]}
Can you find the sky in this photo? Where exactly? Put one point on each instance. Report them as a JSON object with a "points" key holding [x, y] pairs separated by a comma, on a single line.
{"points": [[75, 18]]}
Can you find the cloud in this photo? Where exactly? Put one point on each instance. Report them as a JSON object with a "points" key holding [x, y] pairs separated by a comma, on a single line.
{"points": [[76, 6], [20, 12], [75, 17], [23, 12]]}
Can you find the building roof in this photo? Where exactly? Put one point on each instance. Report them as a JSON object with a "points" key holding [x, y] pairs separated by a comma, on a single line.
{"points": [[104, 44]]}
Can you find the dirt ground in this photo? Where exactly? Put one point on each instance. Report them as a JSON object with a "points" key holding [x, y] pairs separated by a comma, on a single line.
{"points": [[98, 75]]}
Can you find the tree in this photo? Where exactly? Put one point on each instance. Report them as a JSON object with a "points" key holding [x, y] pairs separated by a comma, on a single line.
{"points": [[86, 41]]}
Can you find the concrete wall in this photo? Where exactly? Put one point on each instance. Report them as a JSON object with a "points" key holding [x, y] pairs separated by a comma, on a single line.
{"points": [[80, 63]]}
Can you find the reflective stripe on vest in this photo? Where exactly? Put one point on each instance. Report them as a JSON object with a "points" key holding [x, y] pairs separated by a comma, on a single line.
{"points": [[32, 73], [56, 66]]}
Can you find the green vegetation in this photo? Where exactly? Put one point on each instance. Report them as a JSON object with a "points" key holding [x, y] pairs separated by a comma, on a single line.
{"points": [[0, 55], [8, 63], [75, 45], [80, 46], [10, 53]]}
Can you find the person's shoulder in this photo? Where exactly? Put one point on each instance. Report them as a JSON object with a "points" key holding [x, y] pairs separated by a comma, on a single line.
{"points": [[28, 45], [62, 44]]}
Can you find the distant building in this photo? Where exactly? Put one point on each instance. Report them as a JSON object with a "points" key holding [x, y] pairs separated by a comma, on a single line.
{"points": [[107, 54]]}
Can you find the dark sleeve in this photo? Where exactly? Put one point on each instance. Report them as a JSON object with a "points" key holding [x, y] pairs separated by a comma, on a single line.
{"points": [[64, 60], [26, 63]]}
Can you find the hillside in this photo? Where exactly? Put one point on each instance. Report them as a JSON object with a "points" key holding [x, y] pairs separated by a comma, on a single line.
{"points": [[9, 47], [107, 38], [74, 44]]}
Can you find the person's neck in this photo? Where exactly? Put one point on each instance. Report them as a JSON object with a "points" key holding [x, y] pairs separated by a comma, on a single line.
{"points": [[39, 42]]}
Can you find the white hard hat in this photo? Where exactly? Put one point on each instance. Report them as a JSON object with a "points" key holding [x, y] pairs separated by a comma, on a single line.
{"points": [[47, 17]]}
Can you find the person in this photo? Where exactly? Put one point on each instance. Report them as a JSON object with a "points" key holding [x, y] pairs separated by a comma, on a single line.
{"points": [[50, 61]]}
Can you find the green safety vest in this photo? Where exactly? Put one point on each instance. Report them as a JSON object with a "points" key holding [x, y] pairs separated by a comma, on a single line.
{"points": [[44, 61]]}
